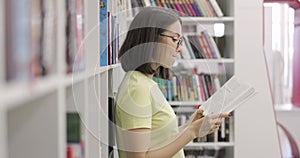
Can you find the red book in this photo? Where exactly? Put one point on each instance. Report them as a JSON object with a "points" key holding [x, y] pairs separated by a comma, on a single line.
{"points": [[206, 46], [202, 94], [178, 7], [185, 4], [203, 47], [158, 3], [191, 8], [182, 7]]}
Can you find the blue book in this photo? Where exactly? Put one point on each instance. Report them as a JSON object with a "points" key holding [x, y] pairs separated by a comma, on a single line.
{"points": [[103, 33]]}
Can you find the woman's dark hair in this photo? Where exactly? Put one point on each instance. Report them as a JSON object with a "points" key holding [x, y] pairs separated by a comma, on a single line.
{"points": [[146, 27]]}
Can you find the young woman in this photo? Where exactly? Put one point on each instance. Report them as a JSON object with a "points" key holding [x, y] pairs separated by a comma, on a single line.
{"points": [[146, 123]]}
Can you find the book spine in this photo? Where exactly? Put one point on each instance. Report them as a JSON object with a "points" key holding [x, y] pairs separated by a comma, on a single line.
{"points": [[180, 2], [201, 85], [206, 47], [195, 8], [209, 43], [158, 3], [103, 33], [178, 7], [189, 48], [185, 4], [200, 49], [147, 3], [201, 8], [191, 8], [217, 8], [211, 9]]}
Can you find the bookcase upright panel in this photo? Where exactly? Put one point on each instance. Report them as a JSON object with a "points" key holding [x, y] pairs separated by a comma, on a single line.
{"points": [[255, 124], [103, 84], [2, 61], [93, 125], [3, 119], [32, 129]]}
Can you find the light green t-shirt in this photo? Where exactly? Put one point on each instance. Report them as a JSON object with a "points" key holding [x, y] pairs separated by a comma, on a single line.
{"points": [[141, 104]]}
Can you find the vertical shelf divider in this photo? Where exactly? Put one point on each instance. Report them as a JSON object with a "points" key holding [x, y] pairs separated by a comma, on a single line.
{"points": [[255, 124], [104, 113], [61, 67]]}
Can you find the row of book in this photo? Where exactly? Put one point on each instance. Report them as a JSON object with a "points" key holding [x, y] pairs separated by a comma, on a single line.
{"points": [[205, 153], [30, 27], [222, 135], [199, 46], [189, 87], [110, 30], [193, 8], [74, 36], [31, 34]]}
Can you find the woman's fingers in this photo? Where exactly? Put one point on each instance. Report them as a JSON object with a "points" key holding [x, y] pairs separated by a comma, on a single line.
{"points": [[215, 116]]}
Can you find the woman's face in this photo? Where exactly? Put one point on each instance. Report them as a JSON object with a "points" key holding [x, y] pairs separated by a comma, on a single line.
{"points": [[172, 39]]}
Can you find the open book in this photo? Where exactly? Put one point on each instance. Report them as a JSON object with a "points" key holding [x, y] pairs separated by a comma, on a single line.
{"points": [[229, 97]]}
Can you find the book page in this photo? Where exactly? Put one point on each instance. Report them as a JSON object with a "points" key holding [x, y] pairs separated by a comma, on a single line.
{"points": [[229, 97]]}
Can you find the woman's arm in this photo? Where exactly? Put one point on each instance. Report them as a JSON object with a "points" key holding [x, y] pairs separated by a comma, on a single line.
{"points": [[137, 141]]}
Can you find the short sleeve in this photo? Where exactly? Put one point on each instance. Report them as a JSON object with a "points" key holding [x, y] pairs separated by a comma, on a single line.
{"points": [[134, 108]]}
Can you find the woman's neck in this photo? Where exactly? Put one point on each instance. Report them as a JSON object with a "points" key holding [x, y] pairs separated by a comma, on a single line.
{"points": [[150, 75]]}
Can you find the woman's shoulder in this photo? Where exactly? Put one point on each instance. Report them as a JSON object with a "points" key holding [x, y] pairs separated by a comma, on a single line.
{"points": [[136, 78]]}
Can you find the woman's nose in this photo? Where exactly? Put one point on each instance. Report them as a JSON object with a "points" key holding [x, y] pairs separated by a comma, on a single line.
{"points": [[179, 49]]}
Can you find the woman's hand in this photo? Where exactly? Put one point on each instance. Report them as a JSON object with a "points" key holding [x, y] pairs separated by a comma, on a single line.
{"points": [[206, 124], [196, 116]]}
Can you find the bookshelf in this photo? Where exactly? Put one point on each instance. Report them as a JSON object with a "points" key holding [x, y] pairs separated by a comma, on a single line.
{"points": [[33, 114]]}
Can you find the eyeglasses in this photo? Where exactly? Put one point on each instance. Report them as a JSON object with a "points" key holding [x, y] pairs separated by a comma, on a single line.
{"points": [[174, 39]]}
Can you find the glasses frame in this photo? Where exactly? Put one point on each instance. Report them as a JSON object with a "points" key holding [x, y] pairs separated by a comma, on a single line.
{"points": [[179, 39]]}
